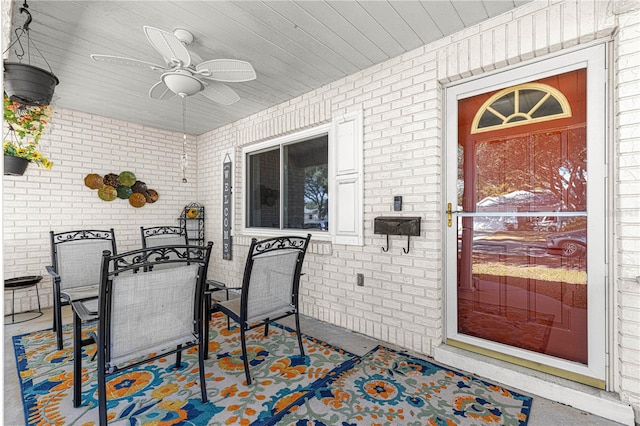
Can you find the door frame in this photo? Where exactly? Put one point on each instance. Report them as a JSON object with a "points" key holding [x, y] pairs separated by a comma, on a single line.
{"points": [[594, 60]]}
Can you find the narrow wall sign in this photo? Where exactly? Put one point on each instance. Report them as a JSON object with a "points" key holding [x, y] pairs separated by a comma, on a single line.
{"points": [[226, 208]]}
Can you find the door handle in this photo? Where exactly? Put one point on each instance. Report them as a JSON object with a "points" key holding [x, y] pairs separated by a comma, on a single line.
{"points": [[450, 214]]}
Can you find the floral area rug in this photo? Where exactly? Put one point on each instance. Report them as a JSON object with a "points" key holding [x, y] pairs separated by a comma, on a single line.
{"points": [[155, 393], [394, 388], [328, 386]]}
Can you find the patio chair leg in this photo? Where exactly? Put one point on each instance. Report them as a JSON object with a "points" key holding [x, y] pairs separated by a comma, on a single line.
{"points": [[299, 335], [205, 323], [102, 388], [77, 361], [57, 314], [203, 383], [178, 356], [245, 358]]}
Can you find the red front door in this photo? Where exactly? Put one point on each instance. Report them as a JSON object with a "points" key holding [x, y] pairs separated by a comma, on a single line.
{"points": [[522, 226]]}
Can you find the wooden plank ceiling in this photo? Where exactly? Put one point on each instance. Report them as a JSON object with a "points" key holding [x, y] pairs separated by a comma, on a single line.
{"points": [[294, 46]]}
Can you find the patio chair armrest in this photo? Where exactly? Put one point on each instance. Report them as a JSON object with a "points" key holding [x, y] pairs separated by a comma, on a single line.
{"points": [[53, 273], [213, 285], [83, 312]]}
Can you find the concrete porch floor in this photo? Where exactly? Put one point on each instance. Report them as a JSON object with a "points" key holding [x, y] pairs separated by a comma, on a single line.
{"points": [[543, 412]]}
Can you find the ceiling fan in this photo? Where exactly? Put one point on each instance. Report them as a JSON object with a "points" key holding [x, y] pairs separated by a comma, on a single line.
{"points": [[184, 73]]}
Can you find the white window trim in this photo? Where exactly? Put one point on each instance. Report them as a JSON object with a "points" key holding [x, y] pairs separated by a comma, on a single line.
{"points": [[346, 180], [321, 130]]}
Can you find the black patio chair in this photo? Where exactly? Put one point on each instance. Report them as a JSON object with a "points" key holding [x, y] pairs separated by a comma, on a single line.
{"points": [[76, 258], [144, 313], [269, 288], [163, 235]]}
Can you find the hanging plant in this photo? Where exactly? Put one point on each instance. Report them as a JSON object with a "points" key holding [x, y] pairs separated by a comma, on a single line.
{"points": [[26, 125]]}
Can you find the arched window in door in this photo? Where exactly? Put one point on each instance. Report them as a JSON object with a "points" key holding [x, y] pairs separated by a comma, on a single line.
{"points": [[518, 105]]}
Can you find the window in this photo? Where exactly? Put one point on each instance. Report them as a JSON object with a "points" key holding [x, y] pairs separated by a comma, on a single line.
{"points": [[523, 104], [301, 200], [308, 182], [264, 189]]}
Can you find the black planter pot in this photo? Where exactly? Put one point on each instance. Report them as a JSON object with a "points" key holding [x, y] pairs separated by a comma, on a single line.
{"points": [[28, 85], [15, 166]]}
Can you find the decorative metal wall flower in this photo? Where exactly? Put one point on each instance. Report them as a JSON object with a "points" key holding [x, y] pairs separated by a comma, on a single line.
{"points": [[124, 186], [25, 126]]}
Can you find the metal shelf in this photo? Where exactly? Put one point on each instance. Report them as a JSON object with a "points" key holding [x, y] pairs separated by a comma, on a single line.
{"points": [[192, 221]]}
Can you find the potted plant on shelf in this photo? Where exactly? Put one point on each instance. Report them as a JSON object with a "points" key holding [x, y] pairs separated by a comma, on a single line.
{"points": [[25, 127]]}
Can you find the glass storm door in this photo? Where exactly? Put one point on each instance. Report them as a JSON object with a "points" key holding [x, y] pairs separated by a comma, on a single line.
{"points": [[520, 231]]}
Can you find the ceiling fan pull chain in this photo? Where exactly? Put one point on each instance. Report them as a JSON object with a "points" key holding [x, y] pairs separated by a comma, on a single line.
{"points": [[184, 159], [184, 139]]}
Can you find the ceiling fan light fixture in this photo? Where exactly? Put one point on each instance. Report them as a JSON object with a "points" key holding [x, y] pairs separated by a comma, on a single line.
{"points": [[181, 83], [185, 73], [184, 36]]}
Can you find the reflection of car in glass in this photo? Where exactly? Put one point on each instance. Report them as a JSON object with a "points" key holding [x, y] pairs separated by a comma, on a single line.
{"points": [[568, 243], [546, 223]]}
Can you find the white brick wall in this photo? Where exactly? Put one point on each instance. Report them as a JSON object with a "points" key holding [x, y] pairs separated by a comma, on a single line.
{"points": [[401, 302], [402, 299], [57, 199], [627, 189]]}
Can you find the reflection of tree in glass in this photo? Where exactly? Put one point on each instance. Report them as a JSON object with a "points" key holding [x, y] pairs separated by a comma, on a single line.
{"points": [[554, 161], [501, 167], [315, 189], [563, 158]]}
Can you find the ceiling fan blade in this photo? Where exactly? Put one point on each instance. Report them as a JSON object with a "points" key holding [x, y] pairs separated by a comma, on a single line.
{"points": [[168, 45], [227, 70], [195, 58], [127, 61], [220, 93], [161, 92]]}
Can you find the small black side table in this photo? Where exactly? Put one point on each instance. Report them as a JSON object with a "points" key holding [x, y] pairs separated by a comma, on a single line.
{"points": [[21, 283]]}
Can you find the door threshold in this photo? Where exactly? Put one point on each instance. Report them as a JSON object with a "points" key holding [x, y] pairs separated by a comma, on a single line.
{"points": [[577, 395], [533, 365]]}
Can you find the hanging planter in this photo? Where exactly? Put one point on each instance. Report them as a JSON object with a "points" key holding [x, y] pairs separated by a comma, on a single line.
{"points": [[15, 166], [27, 84]]}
